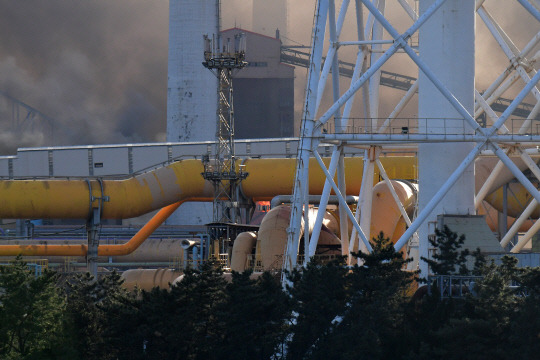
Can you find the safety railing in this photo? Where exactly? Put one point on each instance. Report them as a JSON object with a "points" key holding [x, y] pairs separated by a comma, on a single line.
{"points": [[422, 126], [452, 286]]}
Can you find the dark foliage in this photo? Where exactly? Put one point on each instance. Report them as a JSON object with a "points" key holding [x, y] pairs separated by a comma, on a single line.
{"points": [[330, 311]]}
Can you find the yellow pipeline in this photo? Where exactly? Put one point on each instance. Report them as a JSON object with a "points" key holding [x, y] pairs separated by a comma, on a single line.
{"points": [[122, 199], [141, 194], [270, 177]]}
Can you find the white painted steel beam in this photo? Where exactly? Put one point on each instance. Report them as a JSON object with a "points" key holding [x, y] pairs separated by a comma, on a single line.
{"points": [[454, 99], [322, 205], [401, 41], [424, 213], [301, 184], [531, 9], [343, 202]]}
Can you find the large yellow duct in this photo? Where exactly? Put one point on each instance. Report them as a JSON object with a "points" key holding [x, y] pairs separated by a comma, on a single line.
{"points": [[270, 177], [118, 199], [122, 199]]}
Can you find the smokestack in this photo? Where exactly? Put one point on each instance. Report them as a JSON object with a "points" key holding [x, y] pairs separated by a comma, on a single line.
{"points": [[192, 89]]}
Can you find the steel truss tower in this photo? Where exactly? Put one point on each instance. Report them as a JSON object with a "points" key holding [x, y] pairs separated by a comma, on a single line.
{"points": [[223, 59], [446, 133]]}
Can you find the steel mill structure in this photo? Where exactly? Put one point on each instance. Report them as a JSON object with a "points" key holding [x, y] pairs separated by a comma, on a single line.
{"points": [[458, 158], [446, 132]]}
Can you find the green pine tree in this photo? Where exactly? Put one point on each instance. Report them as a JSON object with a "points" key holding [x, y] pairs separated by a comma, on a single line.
{"points": [[253, 317], [32, 322]]}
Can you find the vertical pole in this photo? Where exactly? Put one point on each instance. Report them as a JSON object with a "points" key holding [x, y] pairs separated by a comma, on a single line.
{"points": [[343, 218], [366, 200], [92, 232]]}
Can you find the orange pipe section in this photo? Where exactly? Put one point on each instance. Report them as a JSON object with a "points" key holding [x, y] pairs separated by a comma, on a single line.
{"points": [[104, 250]]}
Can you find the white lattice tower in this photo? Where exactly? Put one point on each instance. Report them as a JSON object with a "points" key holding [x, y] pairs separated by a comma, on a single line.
{"points": [[446, 132]]}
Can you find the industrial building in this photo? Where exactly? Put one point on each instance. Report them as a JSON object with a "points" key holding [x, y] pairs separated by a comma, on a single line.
{"points": [[458, 163], [263, 90]]}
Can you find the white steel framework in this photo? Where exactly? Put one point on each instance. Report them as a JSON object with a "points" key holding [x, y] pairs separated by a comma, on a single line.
{"points": [[460, 106]]}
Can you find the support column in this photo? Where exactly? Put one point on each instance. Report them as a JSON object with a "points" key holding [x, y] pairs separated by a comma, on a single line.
{"points": [[92, 232], [447, 47]]}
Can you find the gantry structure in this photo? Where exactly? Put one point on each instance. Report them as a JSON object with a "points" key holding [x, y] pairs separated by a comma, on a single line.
{"points": [[24, 118], [446, 133]]}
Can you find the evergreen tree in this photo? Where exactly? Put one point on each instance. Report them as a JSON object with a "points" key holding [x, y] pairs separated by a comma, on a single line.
{"points": [[182, 323], [92, 307], [448, 259], [32, 323], [253, 317], [373, 324], [319, 295]]}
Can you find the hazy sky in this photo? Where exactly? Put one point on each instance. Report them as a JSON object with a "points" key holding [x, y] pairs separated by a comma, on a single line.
{"points": [[99, 67]]}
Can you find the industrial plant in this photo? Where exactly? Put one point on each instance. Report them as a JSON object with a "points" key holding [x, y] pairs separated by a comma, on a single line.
{"points": [[395, 136]]}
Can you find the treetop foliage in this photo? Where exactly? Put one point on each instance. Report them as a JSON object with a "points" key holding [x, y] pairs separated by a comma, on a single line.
{"points": [[330, 311]]}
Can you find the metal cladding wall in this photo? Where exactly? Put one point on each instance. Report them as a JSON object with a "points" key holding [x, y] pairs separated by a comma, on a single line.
{"points": [[192, 89], [263, 90], [264, 108]]}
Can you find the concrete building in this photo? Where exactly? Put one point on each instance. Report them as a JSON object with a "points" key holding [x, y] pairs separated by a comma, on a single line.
{"points": [[263, 90]]}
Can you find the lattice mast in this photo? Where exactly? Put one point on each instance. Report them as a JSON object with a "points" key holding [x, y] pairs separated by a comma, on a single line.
{"points": [[224, 58]]}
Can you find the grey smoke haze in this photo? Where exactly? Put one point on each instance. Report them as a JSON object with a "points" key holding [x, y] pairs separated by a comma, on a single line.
{"points": [[99, 67]]}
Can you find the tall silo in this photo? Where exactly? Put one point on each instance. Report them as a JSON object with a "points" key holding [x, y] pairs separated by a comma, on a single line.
{"points": [[447, 47], [192, 89]]}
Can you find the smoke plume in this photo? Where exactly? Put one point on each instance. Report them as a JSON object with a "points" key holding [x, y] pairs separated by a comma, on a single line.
{"points": [[99, 68]]}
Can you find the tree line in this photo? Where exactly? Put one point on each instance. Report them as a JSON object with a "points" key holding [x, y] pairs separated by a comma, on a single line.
{"points": [[328, 311]]}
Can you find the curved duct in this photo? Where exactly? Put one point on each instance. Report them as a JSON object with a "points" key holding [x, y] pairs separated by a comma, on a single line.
{"points": [[272, 235], [386, 214], [103, 250], [492, 218], [188, 244], [518, 199], [242, 247]]}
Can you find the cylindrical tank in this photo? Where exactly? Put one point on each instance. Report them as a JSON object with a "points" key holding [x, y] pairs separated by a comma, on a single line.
{"points": [[242, 247], [147, 279]]}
